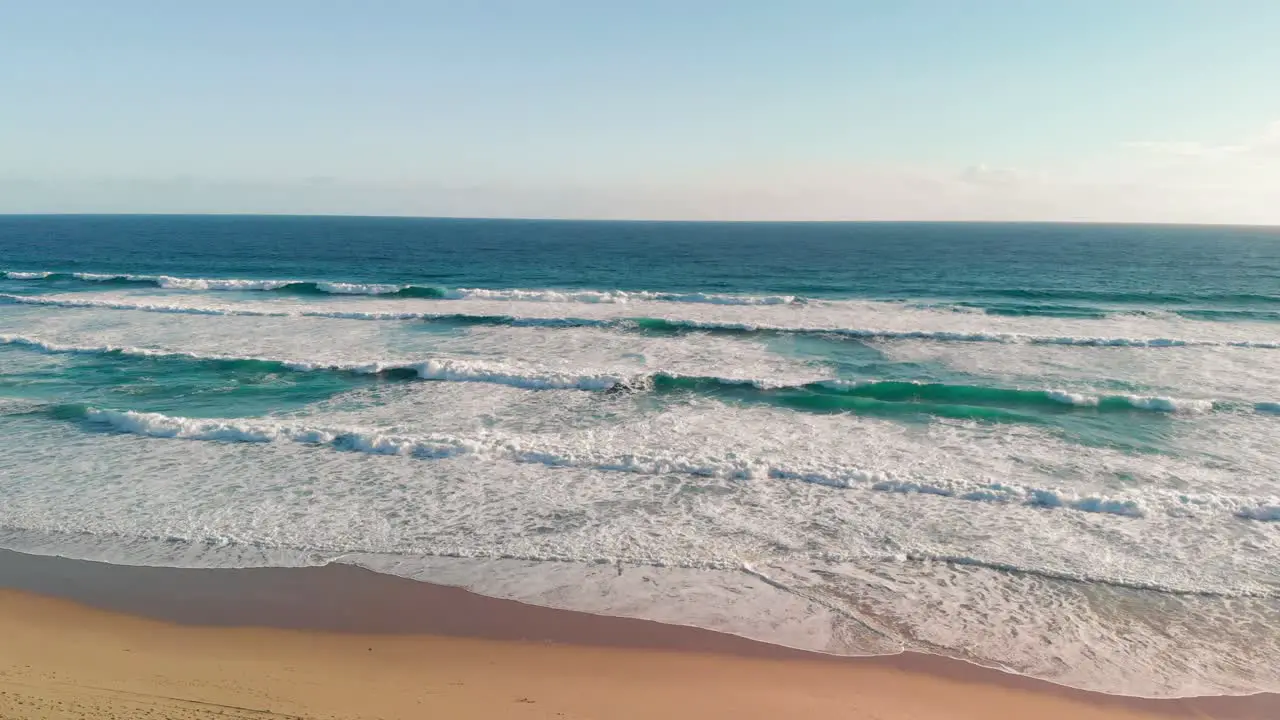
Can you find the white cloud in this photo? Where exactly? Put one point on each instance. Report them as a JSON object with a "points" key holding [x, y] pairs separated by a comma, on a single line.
{"points": [[1266, 142], [1181, 182]]}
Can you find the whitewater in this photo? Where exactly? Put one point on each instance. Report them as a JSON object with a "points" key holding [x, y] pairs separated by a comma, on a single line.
{"points": [[1030, 447]]}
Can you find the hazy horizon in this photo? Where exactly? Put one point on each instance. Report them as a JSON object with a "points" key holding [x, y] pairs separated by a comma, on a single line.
{"points": [[475, 218]]}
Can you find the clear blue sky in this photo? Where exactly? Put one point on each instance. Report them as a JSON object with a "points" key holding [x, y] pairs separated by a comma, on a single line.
{"points": [[985, 109]]}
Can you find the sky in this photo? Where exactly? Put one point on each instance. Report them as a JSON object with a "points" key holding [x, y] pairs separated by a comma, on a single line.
{"points": [[1074, 110]]}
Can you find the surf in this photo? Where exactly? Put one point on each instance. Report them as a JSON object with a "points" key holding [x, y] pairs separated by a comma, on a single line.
{"points": [[873, 397], [657, 325], [439, 446], [309, 287]]}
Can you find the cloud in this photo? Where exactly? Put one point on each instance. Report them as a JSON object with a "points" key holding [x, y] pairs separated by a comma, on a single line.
{"points": [[988, 176], [1185, 148], [1264, 143], [1179, 182]]}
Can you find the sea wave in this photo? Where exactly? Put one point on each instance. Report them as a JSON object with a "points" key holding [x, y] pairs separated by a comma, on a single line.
{"points": [[1102, 312], [441, 369], [1045, 399], [307, 287], [1154, 298], [877, 397], [1264, 513], [517, 449], [1060, 302], [16, 275], [652, 324]]}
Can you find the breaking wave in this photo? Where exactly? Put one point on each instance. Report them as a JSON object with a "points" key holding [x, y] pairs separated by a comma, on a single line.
{"points": [[882, 397], [306, 287], [658, 325], [517, 449]]}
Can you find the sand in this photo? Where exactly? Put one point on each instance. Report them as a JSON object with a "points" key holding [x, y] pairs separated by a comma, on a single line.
{"points": [[85, 640]]}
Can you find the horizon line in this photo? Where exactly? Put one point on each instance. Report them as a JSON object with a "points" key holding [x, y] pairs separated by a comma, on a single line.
{"points": [[653, 221]]}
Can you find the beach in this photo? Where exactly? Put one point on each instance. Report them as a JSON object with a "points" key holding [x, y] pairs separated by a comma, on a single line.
{"points": [[90, 640], [848, 439], [608, 361]]}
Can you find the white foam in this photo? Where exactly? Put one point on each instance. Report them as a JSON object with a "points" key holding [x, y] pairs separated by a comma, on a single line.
{"points": [[1113, 506], [534, 378], [163, 281], [1070, 398], [70, 302], [349, 288], [1239, 376], [617, 297], [14, 275], [442, 310], [522, 450], [178, 283], [441, 369], [100, 277], [950, 574], [52, 347], [1265, 513], [1151, 403], [1166, 404], [341, 288]]}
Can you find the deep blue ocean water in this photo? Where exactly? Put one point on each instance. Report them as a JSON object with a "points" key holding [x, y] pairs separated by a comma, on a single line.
{"points": [[1032, 445], [980, 262]]}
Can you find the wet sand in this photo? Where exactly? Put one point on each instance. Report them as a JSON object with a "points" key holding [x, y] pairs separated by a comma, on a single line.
{"points": [[90, 640]]}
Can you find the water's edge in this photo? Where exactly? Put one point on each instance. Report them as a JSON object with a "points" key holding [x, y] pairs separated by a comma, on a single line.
{"points": [[85, 577]]}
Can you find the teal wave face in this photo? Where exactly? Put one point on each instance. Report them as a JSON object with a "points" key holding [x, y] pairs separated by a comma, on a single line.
{"points": [[115, 377], [1230, 315], [321, 289], [204, 388], [1133, 297]]}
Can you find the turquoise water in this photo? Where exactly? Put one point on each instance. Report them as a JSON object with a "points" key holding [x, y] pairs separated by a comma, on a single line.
{"points": [[1032, 446]]}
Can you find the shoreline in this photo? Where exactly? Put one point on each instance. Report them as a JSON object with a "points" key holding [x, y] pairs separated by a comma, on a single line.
{"points": [[337, 605]]}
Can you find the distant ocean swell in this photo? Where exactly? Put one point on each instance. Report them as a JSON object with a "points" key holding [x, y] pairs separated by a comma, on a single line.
{"points": [[650, 324], [833, 395], [307, 287], [1087, 312], [1049, 302], [516, 449]]}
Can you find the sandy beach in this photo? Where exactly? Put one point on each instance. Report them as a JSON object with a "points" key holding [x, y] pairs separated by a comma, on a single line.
{"points": [[89, 640]]}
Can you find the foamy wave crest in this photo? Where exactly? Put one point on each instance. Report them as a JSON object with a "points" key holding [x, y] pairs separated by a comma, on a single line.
{"points": [[1028, 339], [647, 324], [982, 395], [16, 275], [442, 369], [348, 288], [520, 450], [1264, 513], [1154, 403], [178, 283], [1164, 404], [1074, 399], [161, 281], [450, 370], [619, 296], [144, 306], [170, 282], [60, 348], [976, 402], [340, 288], [99, 277]]}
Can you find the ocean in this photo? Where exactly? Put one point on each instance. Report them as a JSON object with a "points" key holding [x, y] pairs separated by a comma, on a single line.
{"points": [[1049, 449]]}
